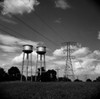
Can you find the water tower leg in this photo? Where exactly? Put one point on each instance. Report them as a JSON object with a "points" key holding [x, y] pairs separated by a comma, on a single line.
{"points": [[27, 67], [44, 63], [31, 68], [40, 66], [22, 67], [36, 68]]}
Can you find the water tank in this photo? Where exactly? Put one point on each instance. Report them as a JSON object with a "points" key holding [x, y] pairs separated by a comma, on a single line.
{"points": [[41, 49], [27, 48]]}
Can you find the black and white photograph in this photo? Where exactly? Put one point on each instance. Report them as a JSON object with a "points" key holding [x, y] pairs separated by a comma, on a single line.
{"points": [[49, 49]]}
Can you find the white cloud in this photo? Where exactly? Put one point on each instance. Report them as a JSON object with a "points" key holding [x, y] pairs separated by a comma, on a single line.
{"points": [[9, 48], [60, 63], [62, 51], [59, 52], [8, 40], [18, 59], [94, 55], [88, 64], [62, 4], [18, 6], [81, 52], [50, 58], [85, 62], [97, 69], [12, 44]]}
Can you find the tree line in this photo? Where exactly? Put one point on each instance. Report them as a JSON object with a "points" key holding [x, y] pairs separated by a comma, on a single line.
{"points": [[14, 74]]}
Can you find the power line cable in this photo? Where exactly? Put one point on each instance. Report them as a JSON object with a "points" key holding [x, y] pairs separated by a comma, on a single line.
{"points": [[12, 30], [42, 20], [37, 31], [30, 27], [6, 32]]}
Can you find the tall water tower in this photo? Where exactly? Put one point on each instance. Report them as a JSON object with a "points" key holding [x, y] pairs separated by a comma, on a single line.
{"points": [[41, 50], [27, 49]]}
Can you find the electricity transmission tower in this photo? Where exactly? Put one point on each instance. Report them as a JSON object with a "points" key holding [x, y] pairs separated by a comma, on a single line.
{"points": [[68, 48]]}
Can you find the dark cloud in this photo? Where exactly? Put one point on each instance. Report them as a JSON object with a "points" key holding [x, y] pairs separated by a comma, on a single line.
{"points": [[1, 0], [96, 3], [1, 5]]}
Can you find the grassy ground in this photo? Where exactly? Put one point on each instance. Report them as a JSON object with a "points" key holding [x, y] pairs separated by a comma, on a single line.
{"points": [[51, 90]]}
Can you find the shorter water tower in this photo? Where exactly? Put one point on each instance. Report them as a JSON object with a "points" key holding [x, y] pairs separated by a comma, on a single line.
{"points": [[41, 50], [27, 49]]}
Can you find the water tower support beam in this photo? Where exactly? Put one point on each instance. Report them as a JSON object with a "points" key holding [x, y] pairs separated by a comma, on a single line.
{"points": [[44, 63], [36, 69], [22, 67], [31, 68], [40, 66], [27, 67]]}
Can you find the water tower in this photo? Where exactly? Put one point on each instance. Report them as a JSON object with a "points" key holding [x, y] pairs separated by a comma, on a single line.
{"points": [[27, 49], [41, 50]]}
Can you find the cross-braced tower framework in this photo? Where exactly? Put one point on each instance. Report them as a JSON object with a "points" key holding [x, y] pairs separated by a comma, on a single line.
{"points": [[68, 48], [27, 49], [41, 64]]}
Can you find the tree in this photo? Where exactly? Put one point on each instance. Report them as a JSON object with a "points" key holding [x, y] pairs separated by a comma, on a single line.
{"points": [[14, 73], [88, 80], [77, 80], [41, 76], [67, 79], [97, 79], [3, 75], [50, 75]]}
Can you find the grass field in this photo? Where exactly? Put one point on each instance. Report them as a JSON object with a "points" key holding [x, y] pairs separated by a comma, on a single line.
{"points": [[50, 90]]}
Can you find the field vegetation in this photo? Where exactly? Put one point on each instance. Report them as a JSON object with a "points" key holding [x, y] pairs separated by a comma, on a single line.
{"points": [[50, 90]]}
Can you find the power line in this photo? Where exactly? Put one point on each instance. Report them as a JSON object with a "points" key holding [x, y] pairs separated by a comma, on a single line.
{"points": [[30, 27], [36, 30], [11, 30], [42, 20], [6, 32]]}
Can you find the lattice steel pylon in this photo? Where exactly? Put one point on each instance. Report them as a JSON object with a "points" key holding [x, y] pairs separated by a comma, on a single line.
{"points": [[68, 48]]}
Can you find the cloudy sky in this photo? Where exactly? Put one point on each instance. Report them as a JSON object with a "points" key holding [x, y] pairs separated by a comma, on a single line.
{"points": [[51, 22]]}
